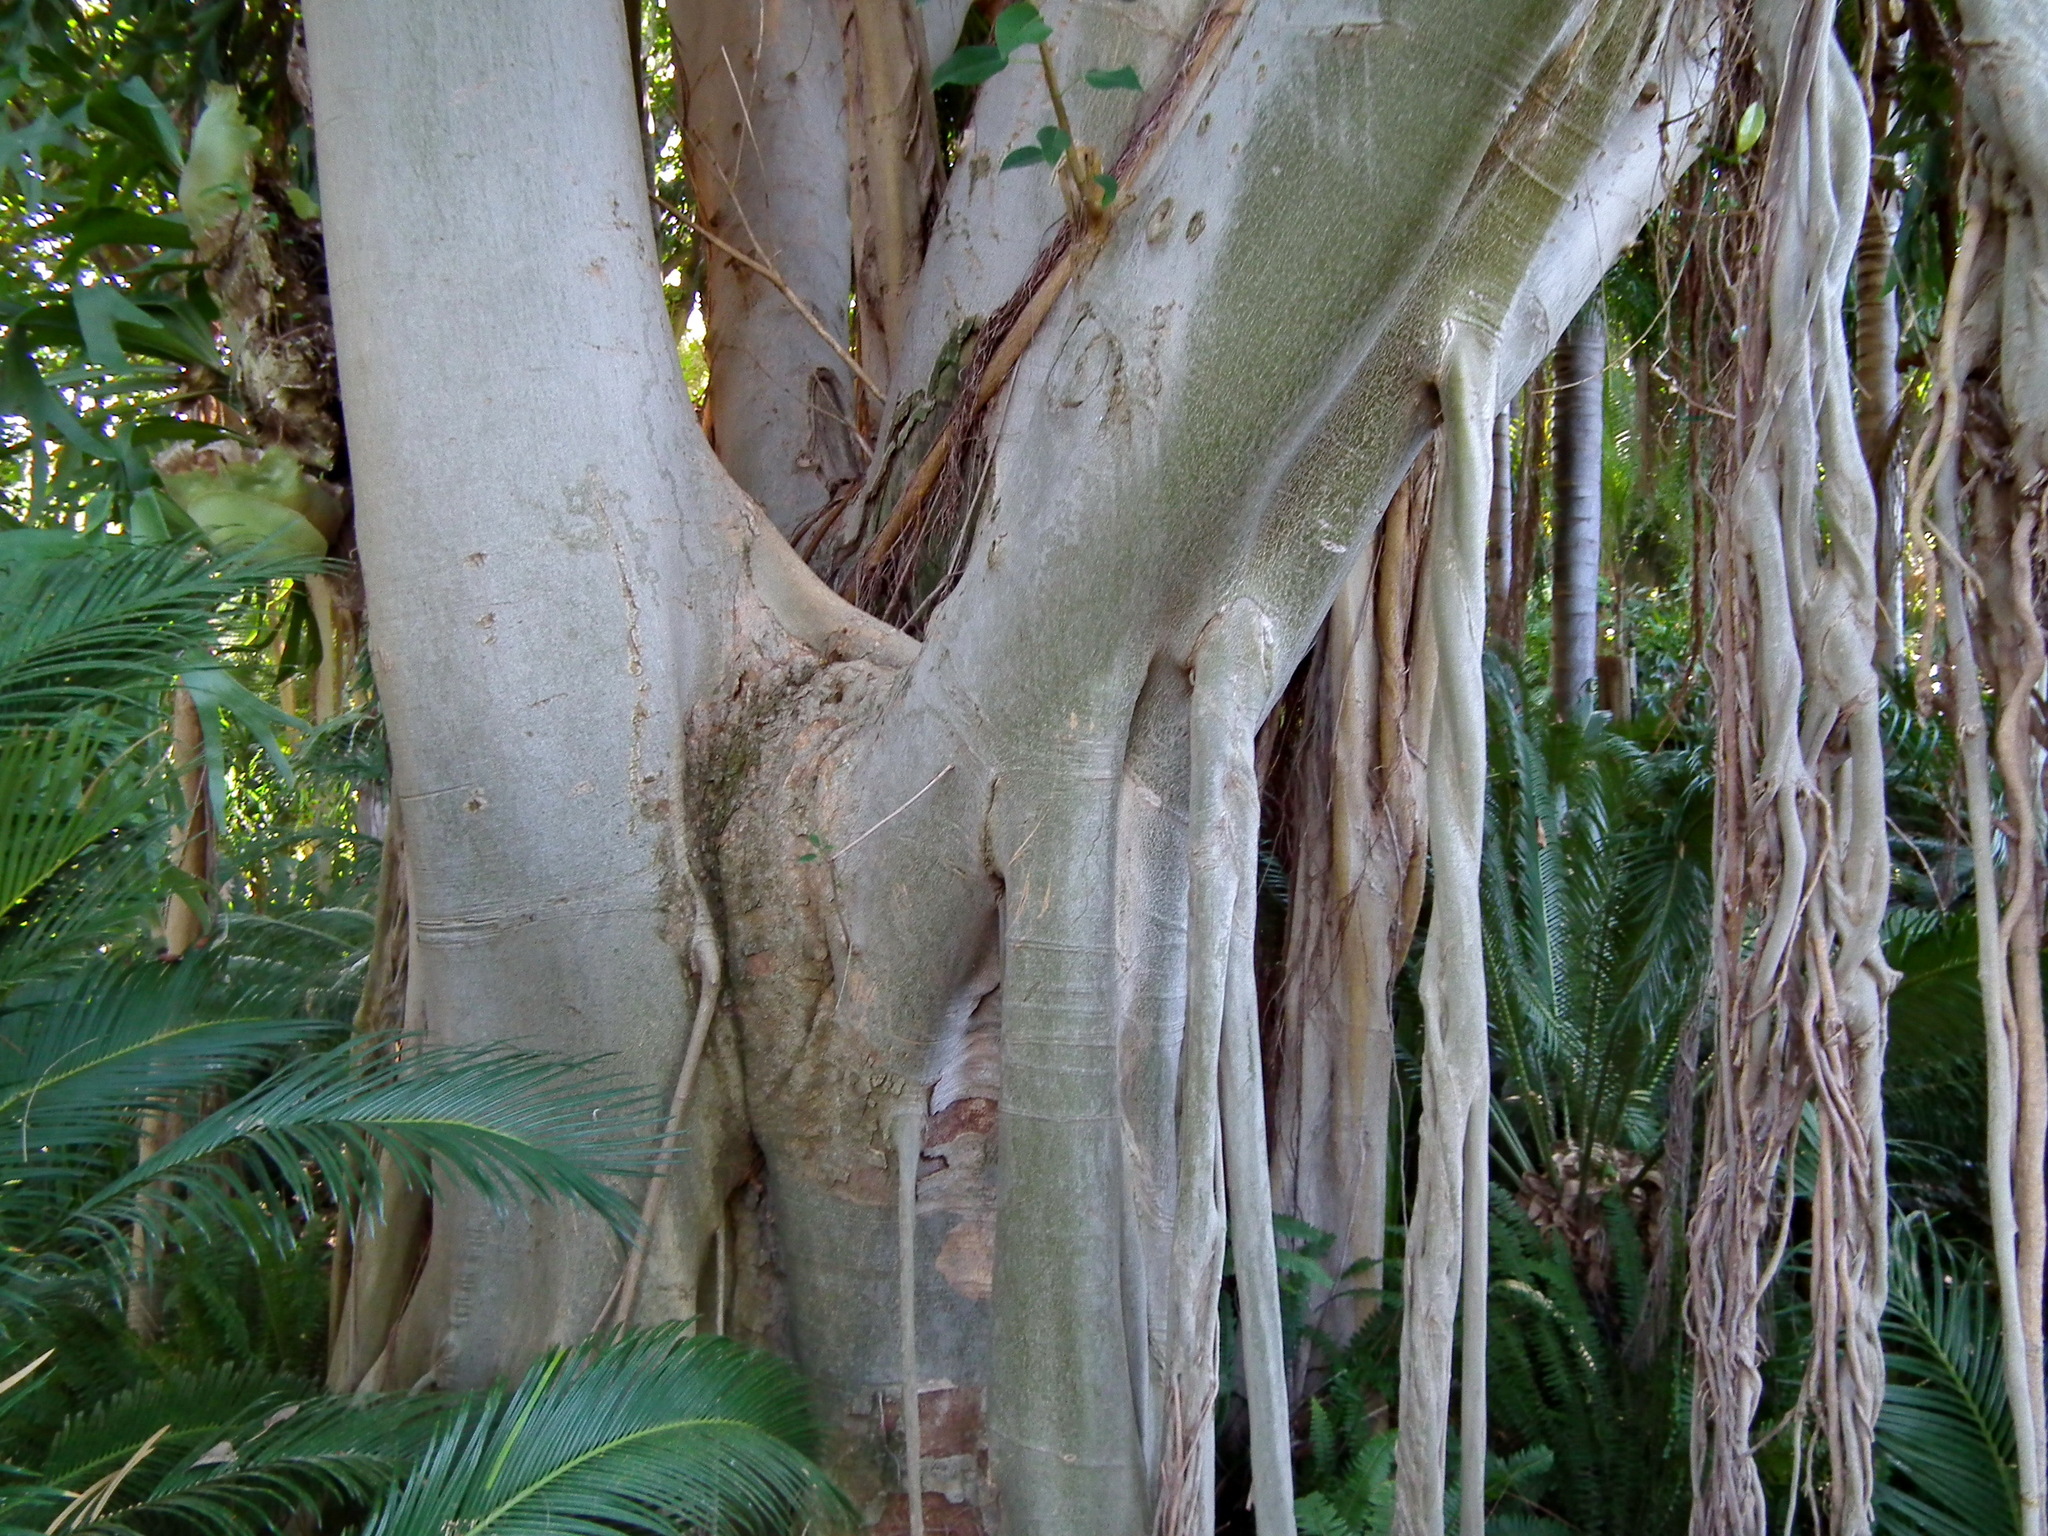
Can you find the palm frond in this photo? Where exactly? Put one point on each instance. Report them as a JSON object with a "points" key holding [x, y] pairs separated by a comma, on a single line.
{"points": [[654, 1432], [1946, 1426], [200, 1406], [98, 622], [58, 796], [506, 1122], [223, 1452]]}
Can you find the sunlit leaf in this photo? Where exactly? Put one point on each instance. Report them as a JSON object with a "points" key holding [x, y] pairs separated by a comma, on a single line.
{"points": [[1020, 26], [1750, 128]]}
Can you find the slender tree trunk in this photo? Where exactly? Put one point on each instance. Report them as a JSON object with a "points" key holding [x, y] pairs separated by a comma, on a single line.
{"points": [[1500, 529], [376, 1263], [1877, 372], [763, 116], [1527, 519], [1579, 442], [184, 925], [894, 156]]}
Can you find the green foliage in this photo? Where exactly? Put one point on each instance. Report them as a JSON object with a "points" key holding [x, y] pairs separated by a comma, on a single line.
{"points": [[1348, 1495], [99, 629], [1934, 1065], [1125, 79], [1595, 885], [658, 1433], [1750, 128], [1017, 26], [1559, 1377], [1945, 1433], [1051, 149], [220, 171]]}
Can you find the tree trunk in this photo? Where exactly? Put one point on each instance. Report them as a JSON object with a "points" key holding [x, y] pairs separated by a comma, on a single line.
{"points": [[1877, 344], [991, 895], [1500, 528], [763, 112], [1999, 414], [1526, 521], [1578, 443], [894, 154]]}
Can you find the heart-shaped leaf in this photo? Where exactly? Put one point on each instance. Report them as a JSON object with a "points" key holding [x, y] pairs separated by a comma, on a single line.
{"points": [[969, 66], [1108, 184], [1020, 26], [1030, 154]]}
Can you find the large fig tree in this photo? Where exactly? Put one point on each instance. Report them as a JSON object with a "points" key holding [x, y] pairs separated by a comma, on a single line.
{"points": [[930, 906]]}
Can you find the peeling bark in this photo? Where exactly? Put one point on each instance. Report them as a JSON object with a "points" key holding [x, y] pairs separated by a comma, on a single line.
{"points": [[892, 139]]}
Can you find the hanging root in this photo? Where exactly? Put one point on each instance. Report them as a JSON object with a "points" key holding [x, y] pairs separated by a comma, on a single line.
{"points": [[710, 971], [1447, 1234], [909, 1147], [1996, 642], [1221, 1101], [1352, 838], [1800, 847]]}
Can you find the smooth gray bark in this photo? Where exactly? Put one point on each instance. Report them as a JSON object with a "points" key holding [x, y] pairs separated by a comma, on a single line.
{"points": [[763, 105], [526, 560], [1209, 423], [1578, 440]]}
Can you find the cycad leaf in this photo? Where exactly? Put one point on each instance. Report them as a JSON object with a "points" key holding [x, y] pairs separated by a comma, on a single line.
{"points": [[507, 1123], [59, 796], [652, 1433], [1946, 1424], [97, 621]]}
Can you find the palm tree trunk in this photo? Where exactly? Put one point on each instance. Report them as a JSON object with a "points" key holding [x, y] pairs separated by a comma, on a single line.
{"points": [[1500, 537], [1575, 571], [1877, 381], [1526, 521]]}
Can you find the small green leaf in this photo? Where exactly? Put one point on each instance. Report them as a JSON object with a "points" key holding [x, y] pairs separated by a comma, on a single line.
{"points": [[302, 202], [1125, 79], [1750, 129], [969, 66], [1020, 26], [1053, 145], [98, 308], [1108, 184], [1030, 154]]}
